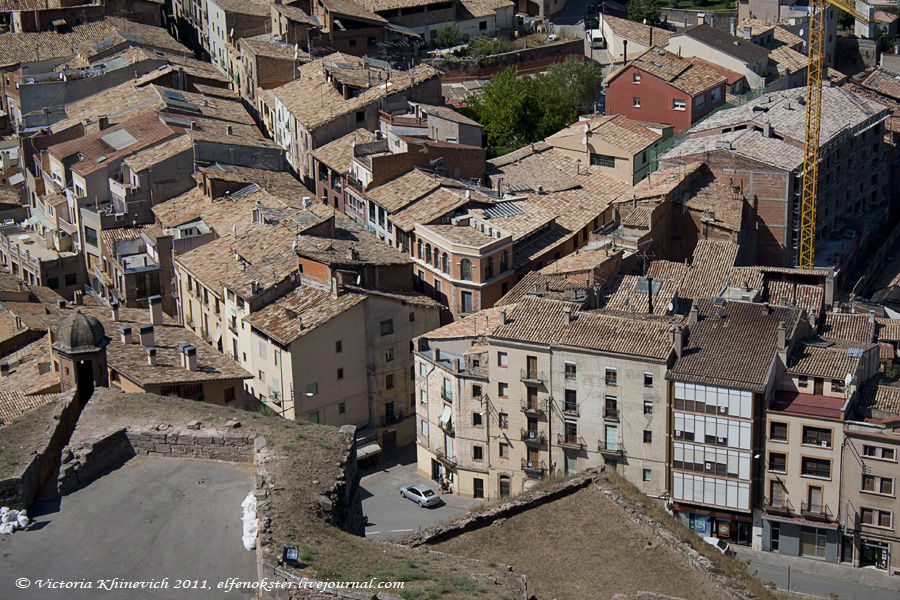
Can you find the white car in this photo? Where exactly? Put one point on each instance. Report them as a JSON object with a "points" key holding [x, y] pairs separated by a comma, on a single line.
{"points": [[719, 544], [420, 494]]}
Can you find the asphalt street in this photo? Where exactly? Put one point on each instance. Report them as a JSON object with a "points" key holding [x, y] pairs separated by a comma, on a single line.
{"points": [[153, 518]]}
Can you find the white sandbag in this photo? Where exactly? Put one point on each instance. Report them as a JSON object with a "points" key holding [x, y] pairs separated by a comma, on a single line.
{"points": [[4, 510], [6, 528], [22, 521], [250, 524], [9, 516]]}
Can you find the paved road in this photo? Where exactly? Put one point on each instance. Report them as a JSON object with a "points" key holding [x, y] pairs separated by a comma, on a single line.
{"points": [[821, 579], [153, 518], [391, 516]]}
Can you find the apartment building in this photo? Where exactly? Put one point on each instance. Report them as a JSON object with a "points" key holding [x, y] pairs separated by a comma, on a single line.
{"points": [[869, 478], [720, 385], [720, 47], [229, 21], [624, 38], [661, 87], [510, 395], [802, 512], [763, 140]]}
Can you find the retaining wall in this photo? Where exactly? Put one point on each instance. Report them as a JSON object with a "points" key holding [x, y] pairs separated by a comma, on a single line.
{"points": [[526, 60]]}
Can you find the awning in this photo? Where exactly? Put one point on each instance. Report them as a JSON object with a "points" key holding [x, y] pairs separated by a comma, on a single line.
{"points": [[367, 450], [218, 335], [800, 521], [445, 416]]}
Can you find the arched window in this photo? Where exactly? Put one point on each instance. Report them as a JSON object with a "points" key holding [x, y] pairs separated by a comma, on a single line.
{"points": [[419, 248], [428, 253], [445, 263], [465, 269]]}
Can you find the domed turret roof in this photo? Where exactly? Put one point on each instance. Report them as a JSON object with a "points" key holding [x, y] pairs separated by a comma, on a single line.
{"points": [[78, 333]]}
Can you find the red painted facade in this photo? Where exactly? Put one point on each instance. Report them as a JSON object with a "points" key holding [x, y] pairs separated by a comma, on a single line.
{"points": [[657, 100]]}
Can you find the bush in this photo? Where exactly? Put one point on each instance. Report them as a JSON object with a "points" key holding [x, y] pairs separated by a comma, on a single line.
{"points": [[448, 36], [485, 46]]}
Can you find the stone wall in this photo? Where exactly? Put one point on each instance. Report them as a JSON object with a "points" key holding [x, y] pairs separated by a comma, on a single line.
{"points": [[725, 19], [526, 60], [519, 504]]}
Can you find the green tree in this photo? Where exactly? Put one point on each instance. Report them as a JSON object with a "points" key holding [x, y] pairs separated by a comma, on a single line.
{"points": [[448, 36], [641, 10]]}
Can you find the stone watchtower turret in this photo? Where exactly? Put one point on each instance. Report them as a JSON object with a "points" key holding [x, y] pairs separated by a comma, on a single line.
{"points": [[79, 349]]}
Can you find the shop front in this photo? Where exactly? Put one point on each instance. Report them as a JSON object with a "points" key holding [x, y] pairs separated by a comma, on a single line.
{"points": [[874, 553], [801, 537], [735, 528]]}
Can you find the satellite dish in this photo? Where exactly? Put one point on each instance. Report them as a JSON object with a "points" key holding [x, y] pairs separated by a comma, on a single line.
{"points": [[848, 379], [801, 32], [584, 140], [671, 307]]}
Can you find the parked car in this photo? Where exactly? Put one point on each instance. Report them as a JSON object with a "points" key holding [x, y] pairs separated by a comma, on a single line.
{"points": [[719, 544], [420, 494]]}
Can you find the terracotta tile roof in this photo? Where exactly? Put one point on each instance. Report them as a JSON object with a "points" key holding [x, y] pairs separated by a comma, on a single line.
{"points": [[787, 38], [583, 259], [541, 285], [109, 237], [334, 250], [882, 81], [447, 113], [636, 216], [835, 361], [14, 404], [543, 321], [877, 398], [376, 5], [810, 298], [888, 329], [338, 154], [788, 59], [485, 8], [810, 405], [31, 369], [618, 130], [476, 325], [119, 103], [851, 327], [432, 206], [313, 101], [637, 32], [400, 192], [245, 7], [299, 312], [460, 234], [666, 269], [182, 209], [404, 297], [731, 77], [352, 9], [682, 74], [155, 154], [724, 42], [735, 349], [624, 295], [710, 269]]}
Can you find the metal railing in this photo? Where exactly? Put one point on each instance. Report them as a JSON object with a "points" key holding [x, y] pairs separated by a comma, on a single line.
{"points": [[533, 376], [570, 409], [534, 406], [572, 442], [611, 414], [447, 427], [780, 506], [533, 436], [442, 456], [610, 448], [533, 466], [815, 511]]}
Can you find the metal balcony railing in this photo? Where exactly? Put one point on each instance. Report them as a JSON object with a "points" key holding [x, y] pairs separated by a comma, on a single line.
{"points": [[442, 456], [572, 442], [570, 409], [608, 448], [534, 407], [532, 376], [611, 414], [533, 466], [780, 506], [815, 511], [533, 436]]}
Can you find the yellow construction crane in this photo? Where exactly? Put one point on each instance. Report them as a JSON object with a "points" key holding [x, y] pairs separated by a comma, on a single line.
{"points": [[814, 76]]}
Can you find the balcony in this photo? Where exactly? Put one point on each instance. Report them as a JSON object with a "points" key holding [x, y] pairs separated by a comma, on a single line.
{"points": [[450, 461], [533, 376], [534, 467], [570, 409], [816, 511], [534, 408], [611, 414], [232, 327], [447, 427], [610, 449], [570, 442], [780, 506], [534, 437]]}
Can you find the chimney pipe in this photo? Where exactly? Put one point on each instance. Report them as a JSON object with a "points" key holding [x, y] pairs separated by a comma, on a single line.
{"points": [[114, 309], [155, 304], [147, 336], [60, 303], [649, 295], [151, 356], [503, 316], [678, 340], [125, 334], [457, 365], [782, 336], [624, 51], [103, 122], [567, 311], [694, 315], [78, 297], [190, 357], [4, 369]]}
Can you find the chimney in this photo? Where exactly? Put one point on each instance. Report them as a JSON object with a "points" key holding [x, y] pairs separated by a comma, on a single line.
{"points": [[678, 340], [624, 51], [567, 311], [229, 130], [60, 303], [694, 315], [457, 365], [189, 352], [103, 122], [437, 355], [147, 337], [151, 356], [503, 317], [748, 32], [155, 303], [125, 334], [4, 369], [114, 309], [78, 297], [782, 336], [649, 295]]}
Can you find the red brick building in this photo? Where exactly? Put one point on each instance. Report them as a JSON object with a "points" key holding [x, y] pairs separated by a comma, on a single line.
{"points": [[660, 87]]}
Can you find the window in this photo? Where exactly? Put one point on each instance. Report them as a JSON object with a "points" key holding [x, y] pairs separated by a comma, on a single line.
{"points": [[90, 236], [878, 452], [262, 350], [502, 359], [423, 397], [360, 116], [412, 317], [602, 160], [476, 391], [312, 389], [337, 346], [636, 102], [314, 417], [636, 78], [678, 104], [465, 269], [424, 427], [445, 263], [389, 381], [276, 356], [700, 102], [648, 407], [648, 380], [837, 385], [477, 452], [71, 278], [503, 389], [648, 436], [648, 475], [815, 467], [503, 418], [476, 419], [778, 431], [715, 95], [387, 327], [504, 450], [53, 283], [340, 373], [611, 410], [389, 355], [611, 378], [570, 370], [342, 408], [482, 25], [466, 303], [817, 436], [777, 462], [261, 376], [875, 518], [352, 43], [446, 394], [878, 485]]}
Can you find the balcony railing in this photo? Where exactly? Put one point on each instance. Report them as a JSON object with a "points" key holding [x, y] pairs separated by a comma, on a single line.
{"points": [[570, 409], [534, 467], [780, 506], [534, 407], [572, 442], [815, 511], [532, 436], [447, 427], [611, 414], [533, 376], [610, 448], [442, 456]]}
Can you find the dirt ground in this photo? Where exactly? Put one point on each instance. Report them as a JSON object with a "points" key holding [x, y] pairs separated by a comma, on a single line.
{"points": [[583, 546]]}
